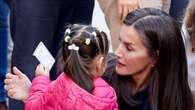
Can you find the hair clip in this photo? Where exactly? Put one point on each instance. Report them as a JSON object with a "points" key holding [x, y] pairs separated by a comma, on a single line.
{"points": [[73, 47], [99, 30], [67, 39], [67, 31], [87, 41], [94, 33]]}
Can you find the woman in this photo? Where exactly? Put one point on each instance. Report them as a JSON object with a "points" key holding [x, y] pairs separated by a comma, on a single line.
{"points": [[150, 64], [151, 68]]}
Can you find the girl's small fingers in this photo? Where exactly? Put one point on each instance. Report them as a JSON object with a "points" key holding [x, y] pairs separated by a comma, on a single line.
{"points": [[11, 93], [10, 76], [5, 87], [8, 87], [17, 72], [8, 81]]}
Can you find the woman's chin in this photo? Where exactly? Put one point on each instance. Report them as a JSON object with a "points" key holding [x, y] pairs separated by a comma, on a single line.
{"points": [[121, 71]]}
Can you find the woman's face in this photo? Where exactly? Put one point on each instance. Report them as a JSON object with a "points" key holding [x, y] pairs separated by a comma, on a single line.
{"points": [[131, 53]]}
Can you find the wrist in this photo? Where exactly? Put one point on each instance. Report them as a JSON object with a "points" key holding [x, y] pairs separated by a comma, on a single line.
{"points": [[25, 97], [47, 75]]}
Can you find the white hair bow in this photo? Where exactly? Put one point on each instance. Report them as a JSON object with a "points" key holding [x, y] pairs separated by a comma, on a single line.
{"points": [[94, 34], [67, 31], [73, 47]]}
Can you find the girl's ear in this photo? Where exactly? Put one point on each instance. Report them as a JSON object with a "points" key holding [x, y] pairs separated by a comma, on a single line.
{"points": [[100, 65]]}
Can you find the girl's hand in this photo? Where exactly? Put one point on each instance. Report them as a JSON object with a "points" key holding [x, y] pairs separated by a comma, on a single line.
{"points": [[126, 6], [17, 85], [41, 70]]}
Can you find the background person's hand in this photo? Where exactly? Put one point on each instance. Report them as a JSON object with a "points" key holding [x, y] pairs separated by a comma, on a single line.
{"points": [[126, 6], [17, 85], [41, 70]]}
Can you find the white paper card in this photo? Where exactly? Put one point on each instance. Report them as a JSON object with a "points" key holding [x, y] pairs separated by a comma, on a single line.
{"points": [[44, 56]]}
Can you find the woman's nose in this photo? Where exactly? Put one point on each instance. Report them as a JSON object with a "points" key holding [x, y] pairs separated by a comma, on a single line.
{"points": [[118, 51]]}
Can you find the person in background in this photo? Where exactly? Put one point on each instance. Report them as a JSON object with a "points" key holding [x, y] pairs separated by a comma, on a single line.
{"points": [[116, 10], [32, 21], [188, 30], [4, 12]]}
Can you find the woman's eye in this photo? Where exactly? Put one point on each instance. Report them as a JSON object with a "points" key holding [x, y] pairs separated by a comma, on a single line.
{"points": [[129, 48]]}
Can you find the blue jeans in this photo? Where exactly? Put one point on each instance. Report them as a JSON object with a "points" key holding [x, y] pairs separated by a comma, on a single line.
{"points": [[3, 46]]}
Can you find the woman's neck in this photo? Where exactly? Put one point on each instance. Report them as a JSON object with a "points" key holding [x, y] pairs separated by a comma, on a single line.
{"points": [[141, 80]]}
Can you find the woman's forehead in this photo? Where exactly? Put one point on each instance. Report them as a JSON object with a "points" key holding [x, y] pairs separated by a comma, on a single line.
{"points": [[129, 34]]}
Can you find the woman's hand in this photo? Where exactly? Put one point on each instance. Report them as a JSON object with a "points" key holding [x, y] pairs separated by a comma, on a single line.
{"points": [[41, 70], [126, 6], [17, 85]]}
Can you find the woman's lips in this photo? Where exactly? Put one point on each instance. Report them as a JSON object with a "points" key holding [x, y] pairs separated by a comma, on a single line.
{"points": [[120, 64]]}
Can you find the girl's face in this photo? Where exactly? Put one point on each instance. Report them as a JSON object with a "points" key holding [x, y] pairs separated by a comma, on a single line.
{"points": [[132, 56]]}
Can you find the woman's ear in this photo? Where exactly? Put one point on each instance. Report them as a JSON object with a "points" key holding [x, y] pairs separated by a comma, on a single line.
{"points": [[155, 58]]}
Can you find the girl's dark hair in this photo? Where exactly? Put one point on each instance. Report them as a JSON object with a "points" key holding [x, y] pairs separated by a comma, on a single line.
{"points": [[168, 86], [78, 64]]}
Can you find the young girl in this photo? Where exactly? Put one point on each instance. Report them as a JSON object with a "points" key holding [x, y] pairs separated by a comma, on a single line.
{"points": [[79, 87]]}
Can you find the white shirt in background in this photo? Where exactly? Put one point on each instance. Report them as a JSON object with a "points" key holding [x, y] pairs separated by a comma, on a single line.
{"points": [[190, 58]]}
